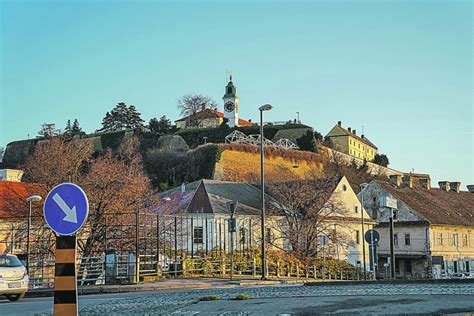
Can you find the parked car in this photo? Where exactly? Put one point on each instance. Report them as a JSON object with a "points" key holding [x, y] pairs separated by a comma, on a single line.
{"points": [[13, 278], [456, 276]]}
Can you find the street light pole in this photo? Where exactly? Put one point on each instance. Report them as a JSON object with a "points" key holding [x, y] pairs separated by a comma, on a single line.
{"points": [[263, 108], [363, 186], [30, 199]]}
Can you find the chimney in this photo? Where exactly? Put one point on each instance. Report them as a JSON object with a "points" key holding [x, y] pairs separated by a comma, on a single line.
{"points": [[396, 179], [425, 183], [408, 180], [339, 123], [354, 132], [455, 186], [470, 188], [250, 120], [363, 137], [349, 129], [444, 185]]}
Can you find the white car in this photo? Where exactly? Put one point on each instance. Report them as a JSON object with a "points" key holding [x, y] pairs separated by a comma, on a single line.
{"points": [[13, 278]]}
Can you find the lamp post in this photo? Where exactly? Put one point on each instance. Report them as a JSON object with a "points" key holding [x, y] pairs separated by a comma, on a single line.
{"points": [[362, 188], [231, 205], [31, 199], [263, 108]]}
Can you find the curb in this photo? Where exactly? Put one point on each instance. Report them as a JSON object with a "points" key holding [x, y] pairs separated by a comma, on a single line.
{"points": [[441, 281]]}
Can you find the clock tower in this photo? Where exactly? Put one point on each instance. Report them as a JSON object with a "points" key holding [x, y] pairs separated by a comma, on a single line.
{"points": [[231, 104]]}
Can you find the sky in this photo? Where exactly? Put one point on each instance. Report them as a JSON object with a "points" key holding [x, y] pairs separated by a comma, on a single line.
{"points": [[402, 70]]}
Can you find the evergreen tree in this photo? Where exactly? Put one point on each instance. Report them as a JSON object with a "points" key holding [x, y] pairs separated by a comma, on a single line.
{"points": [[68, 128], [48, 130], [159, 126], [381, 160], [121, 117], [76, 129]]}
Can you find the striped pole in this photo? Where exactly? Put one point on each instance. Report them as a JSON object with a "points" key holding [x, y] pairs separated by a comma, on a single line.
{"points": [[65, 284]]}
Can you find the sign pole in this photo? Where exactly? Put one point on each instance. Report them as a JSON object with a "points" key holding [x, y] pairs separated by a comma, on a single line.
{"points": [[392, 252], [65, 211], [65, 279]]}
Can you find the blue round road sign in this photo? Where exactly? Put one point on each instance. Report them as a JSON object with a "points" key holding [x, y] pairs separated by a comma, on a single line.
{"points": [[66, 208]]}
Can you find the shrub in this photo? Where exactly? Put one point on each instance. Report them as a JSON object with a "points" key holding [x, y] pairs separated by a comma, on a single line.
{"points": [[242, 297], [209, 298]]}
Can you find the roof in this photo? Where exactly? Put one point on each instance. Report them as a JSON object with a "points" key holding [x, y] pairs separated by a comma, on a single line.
{"points": [[436, 205], [218, 192], [13, 197], [211, 113], [363, 139]]}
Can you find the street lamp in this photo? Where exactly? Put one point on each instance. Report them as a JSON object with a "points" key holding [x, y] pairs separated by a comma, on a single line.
{"points": [[31, 199], [263, 108], [362, 188]]}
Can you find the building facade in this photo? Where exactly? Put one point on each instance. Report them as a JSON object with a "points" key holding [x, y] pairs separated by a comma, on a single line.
{"points": [[433, 227], [347, 141]]}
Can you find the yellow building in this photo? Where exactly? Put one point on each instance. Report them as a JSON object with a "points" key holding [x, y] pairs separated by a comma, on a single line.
{"points": [[348, 142]]}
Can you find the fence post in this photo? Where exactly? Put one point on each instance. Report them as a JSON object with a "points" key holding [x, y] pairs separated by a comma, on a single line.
{"points": [[254, 266], [137, 246], [278, 268], [314, 271], [157, 245], [175, 247]]}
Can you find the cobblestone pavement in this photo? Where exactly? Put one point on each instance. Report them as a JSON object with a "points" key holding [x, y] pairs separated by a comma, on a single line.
{"points": [[265, 299]]}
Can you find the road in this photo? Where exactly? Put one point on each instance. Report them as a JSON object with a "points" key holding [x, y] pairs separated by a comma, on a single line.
{"points": [[421, 299]]}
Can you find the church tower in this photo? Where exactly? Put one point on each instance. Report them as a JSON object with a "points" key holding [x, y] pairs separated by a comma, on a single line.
{"points": [[231, 104]]}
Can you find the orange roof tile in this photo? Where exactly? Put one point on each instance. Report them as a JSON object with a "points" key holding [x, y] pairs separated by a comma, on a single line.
{"points": [[13, 197]]}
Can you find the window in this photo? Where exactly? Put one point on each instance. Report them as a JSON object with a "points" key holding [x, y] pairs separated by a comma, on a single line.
{"points": [[407, 240], [198, 235], [356, 209], [395, 239], [344, 187], [359, 145], [454, 241], [464, 240], [357, 237], [242, 236], [439, 239]]}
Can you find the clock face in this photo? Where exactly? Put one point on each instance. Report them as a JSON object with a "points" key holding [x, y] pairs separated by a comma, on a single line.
{"points": [[229, 106]]}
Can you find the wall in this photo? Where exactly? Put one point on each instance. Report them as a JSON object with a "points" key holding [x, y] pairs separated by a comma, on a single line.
{"points": [[453, 253], [242, 166]]}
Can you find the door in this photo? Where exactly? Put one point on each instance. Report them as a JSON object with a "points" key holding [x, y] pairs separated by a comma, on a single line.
{"points": [[408, 266]]}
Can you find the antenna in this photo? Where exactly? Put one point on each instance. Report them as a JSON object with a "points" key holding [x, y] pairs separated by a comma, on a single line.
{"points": [[362, 129]]}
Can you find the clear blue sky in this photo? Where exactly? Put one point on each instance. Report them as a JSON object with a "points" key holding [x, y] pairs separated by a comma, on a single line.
{"points": [[403, 69]]}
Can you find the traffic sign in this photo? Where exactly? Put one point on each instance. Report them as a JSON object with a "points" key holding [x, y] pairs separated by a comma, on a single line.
{"points": [[66, 208], [388, 201], [375, 236]]}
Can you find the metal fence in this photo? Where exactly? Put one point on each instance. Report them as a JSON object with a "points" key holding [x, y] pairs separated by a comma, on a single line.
{"points": [[137, 246]]}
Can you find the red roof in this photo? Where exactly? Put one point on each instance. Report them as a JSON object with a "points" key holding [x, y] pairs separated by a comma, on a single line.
{"points": [[13, 197], [209, 113]]}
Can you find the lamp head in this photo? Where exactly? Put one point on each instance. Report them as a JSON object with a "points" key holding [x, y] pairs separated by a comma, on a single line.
{"points": [[34, 198], [266, 107]]}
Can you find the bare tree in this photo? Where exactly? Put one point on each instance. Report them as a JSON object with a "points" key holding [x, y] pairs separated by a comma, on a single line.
{"points": [[192, 106], [310, 209], [114, 183]]}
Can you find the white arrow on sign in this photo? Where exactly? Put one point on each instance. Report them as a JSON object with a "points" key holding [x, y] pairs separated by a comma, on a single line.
{"points": [[71, 215]]}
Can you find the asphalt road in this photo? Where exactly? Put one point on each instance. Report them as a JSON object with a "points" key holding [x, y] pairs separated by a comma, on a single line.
{"points": [[395, 299]]}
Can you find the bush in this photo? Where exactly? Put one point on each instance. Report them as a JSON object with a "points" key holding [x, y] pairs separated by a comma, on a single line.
{"points": [[242, 297], [209, 298]]}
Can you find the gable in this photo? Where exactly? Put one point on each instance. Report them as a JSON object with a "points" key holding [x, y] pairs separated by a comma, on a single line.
{"points": [[200, 202]]}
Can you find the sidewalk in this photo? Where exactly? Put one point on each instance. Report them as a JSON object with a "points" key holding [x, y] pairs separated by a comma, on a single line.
{"points": [[171, 284]]}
